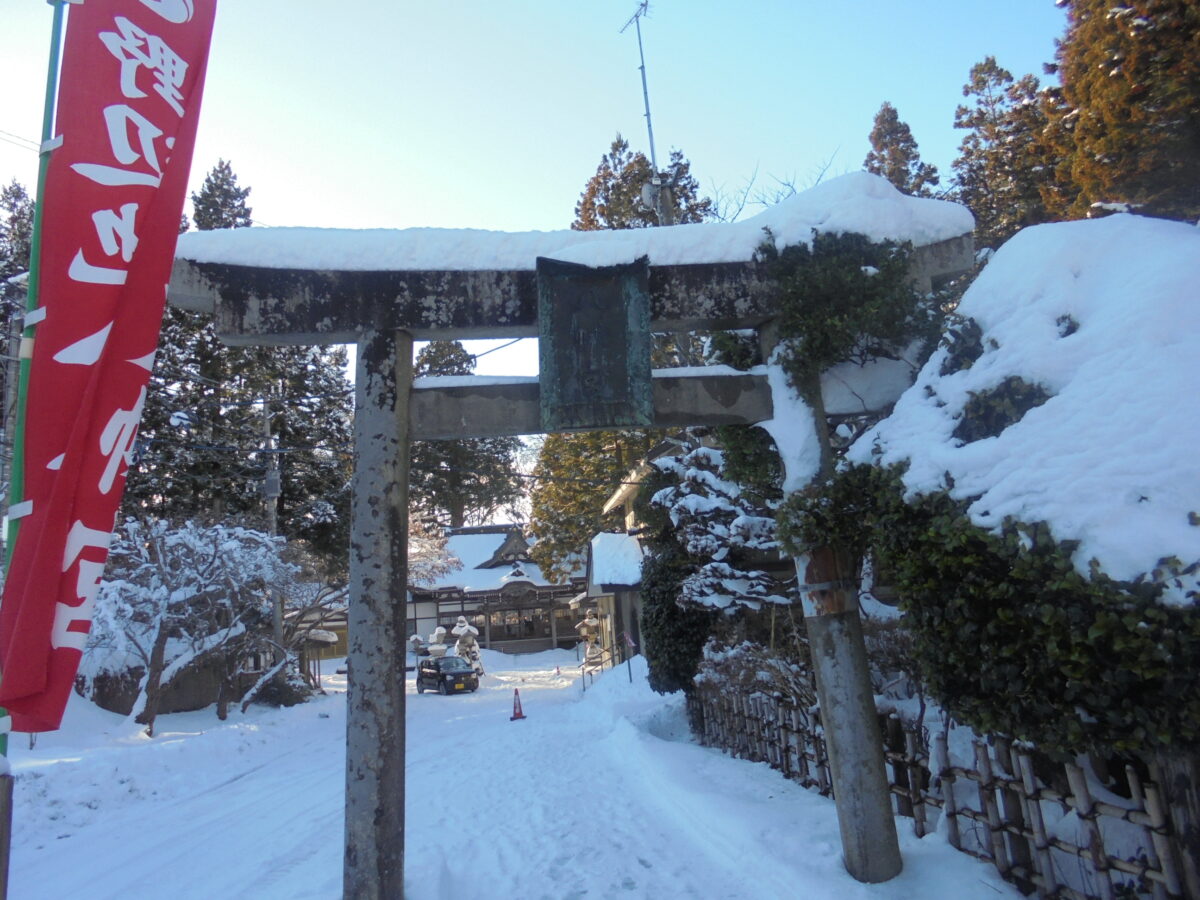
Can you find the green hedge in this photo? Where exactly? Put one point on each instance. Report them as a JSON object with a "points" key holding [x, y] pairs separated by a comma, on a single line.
{"points": [[1009, 636]]}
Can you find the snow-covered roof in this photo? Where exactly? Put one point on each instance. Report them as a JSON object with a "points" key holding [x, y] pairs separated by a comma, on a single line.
{"points": [[857, 202], [474, 550], [616, 560], [1105, 315]]}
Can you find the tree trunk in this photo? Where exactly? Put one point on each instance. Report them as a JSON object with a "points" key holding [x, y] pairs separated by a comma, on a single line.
{"points": [[154, 680], [224, 691], [810, 393]]}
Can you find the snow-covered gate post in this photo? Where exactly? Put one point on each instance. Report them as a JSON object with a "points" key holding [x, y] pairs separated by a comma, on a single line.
{"points": [[383, 310]]}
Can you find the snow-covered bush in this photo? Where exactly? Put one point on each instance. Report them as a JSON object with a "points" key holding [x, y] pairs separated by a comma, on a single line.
{"points": [[751, 668], [1032, 496], [1008, 635], [719, 527], [672, 635], [178, 595]]}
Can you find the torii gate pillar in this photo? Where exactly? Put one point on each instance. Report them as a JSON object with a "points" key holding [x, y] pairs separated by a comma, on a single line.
{"points": [[373, 863]]}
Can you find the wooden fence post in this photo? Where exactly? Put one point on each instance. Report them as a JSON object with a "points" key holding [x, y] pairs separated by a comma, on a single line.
{"points": [[916, 788], [1178, 778], [945, 776], [1154, 857], [1087, 815], [1041, 840], [1012, 813], [988, 805], [895, 745]]}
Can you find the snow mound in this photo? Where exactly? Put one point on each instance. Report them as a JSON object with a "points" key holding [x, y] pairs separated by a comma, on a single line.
{"points": [[1103, 314], [857, 202]]}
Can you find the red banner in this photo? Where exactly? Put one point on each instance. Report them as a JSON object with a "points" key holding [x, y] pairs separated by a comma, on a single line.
{"points": [[132, 78]]}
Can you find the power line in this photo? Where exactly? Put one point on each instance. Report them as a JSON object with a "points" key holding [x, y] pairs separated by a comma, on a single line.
{"points": [[230, 404], [494, 349], [23, 142], [346, 450]]}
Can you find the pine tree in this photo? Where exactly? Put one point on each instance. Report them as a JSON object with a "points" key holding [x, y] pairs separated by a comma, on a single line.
{"points": [[894, 155], [468, 480], [202, 432], [574, 475], [220, 202], [1130, 74], [312, 424], [613, 196], [1004, 162], [16, 229], [16, 232]]}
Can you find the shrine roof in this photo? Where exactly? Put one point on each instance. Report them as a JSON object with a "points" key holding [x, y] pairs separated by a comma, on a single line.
{"points": [[475, 550]]}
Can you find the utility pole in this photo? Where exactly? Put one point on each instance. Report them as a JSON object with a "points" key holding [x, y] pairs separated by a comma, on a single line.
{"points": [[271, 492]]}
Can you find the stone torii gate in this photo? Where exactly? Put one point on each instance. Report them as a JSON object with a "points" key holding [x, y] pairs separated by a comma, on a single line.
{"points": [[383, 311]]}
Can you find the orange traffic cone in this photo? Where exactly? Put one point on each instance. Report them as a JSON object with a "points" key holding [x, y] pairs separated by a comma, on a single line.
{"points": [[517, 714]]}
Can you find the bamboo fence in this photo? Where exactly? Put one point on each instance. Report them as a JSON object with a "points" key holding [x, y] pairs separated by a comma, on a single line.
{"points": [[1044, 830]]}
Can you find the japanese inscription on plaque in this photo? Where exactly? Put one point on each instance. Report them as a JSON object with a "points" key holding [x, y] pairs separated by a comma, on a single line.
{"points": [[594, 345]]}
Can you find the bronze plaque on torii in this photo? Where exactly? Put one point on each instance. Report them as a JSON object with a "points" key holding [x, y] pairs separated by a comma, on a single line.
{"points": [[594, 345]]}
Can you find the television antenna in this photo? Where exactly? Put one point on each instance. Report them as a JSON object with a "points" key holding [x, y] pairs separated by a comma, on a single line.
{"points": [[653, 195], [635, 20]]}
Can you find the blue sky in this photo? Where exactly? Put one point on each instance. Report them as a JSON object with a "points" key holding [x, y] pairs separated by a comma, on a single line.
{"points": [[479, 114], [472, 113]]}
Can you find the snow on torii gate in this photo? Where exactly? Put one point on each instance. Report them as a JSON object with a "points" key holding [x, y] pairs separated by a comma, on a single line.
{"points": [[383, 289]]}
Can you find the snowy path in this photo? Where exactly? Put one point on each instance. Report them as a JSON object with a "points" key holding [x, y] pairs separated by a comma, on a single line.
{"points": [[596, 795]]}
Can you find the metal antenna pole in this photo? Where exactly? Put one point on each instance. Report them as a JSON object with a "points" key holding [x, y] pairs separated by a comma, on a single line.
{"points": [[660, 203], [635, 20]]}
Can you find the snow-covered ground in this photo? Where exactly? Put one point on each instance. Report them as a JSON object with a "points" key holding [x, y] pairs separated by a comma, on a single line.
{"points": [[593, 795]]}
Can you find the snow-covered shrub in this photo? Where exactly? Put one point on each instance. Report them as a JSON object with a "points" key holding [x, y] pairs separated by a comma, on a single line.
{"points": [[176, 596], [749, 668], [1007, 634], [1044, 538], [723, 530], [672, 635], [988, 412]]}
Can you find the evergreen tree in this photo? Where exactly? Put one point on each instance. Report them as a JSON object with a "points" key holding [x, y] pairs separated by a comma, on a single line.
{"points": [[1004, 161], [1130, 112], [220, 202], [613, 196], [16, 233], [894, 155], [468, 480], [203, 426], [573, 477], [16, 229]]}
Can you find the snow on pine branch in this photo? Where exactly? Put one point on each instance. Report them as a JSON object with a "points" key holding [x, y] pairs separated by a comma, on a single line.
{"points": [[718, 524]]}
